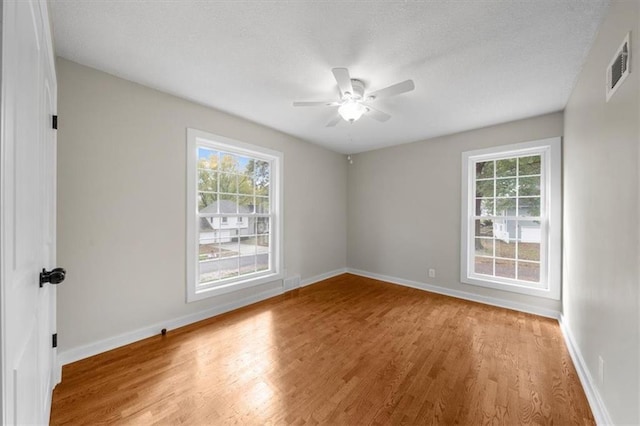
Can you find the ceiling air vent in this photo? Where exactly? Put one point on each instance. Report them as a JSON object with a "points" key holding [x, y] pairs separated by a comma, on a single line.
{"points": [[618, 69]]}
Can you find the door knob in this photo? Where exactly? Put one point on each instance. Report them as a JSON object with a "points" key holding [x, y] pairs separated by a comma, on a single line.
{"points": [[55, 276]]}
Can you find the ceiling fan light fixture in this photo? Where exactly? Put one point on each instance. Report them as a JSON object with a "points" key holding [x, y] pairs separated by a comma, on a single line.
{"points": [[351, 110], [353, 101]]}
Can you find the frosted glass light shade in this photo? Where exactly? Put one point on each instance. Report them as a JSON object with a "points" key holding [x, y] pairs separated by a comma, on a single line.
{"points": [[351, 110]]}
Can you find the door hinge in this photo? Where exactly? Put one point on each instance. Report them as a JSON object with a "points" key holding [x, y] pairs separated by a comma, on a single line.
{"points": [[54, 340], [54, 121]]}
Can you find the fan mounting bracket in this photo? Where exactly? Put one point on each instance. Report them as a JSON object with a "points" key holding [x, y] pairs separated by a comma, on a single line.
{"points": [[358, 90]]}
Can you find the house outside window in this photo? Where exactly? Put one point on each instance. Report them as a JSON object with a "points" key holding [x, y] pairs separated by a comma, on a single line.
{"points": [[511, 218], [233, 215]]}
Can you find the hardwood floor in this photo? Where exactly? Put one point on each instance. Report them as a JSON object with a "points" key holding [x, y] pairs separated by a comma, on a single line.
{"points": [[349, 350]]}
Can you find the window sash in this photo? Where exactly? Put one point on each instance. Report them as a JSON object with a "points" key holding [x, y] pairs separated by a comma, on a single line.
{"points": [[549, 170], [543, 277]]}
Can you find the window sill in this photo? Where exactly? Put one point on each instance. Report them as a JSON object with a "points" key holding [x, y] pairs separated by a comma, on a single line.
{"points": [[512, 287], [207, 292]]}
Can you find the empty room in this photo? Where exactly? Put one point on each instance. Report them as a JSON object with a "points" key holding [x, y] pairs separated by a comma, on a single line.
{"points": [[320, 212]]}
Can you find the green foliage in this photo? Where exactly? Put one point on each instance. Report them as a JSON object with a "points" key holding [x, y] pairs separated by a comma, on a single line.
{"points": [[512, 177], [220, 178], [530, 165]]}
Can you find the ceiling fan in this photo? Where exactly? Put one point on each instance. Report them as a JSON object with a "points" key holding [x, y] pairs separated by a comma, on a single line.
{"points": [[353, 102]]}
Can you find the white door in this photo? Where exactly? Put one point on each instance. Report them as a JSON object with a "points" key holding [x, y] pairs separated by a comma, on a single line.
{"points": [[27, 212]]}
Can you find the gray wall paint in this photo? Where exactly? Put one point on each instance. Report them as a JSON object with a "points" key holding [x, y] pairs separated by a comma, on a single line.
{"points": [[121, 211], [601, 222], [404, 206]]}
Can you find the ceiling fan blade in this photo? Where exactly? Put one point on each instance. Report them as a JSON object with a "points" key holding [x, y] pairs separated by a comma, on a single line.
{"points": [[334, 121], [395, 89], [314, 103], [343, 79], [377, 114]]}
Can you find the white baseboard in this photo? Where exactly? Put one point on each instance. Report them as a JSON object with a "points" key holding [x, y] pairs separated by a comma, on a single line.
{"points": [[104, 345], [593, 396], [517, 306], [322, 277]]}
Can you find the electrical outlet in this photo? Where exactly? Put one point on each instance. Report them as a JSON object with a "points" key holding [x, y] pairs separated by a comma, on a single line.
{"points": [[432, 273], [601, 369]]}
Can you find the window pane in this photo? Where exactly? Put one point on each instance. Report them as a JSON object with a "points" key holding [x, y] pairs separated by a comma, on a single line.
{"points": [[506, 187], [206, 230], [262, 171], [484, 207], [483, 265], [207, 158], [505, 230], [506, 167], [229, 254], [263, 263], [245, 185], [218, 260], [529, 206], [242, 163], [207, 202], [505, 249], [227, 183], [207, 255], [208, 272], [529, 186], [484, 246], [484, 170], [207, 251], [248, 255], [506, 207], [262, 205], [228, 203], [528, 251], [484, 228], [529, 165], [484, 188], [228, 163], [233, 183], [262, 225], [246, 204], [529, 271], [505, 268], [262, 247], [529, 231], [207, 180]]}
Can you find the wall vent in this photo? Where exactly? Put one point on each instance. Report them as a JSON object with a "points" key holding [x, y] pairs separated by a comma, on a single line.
{"points": [[291, 283], [619, 67]]}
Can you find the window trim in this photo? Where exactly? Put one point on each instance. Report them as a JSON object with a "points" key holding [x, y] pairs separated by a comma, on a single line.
{"points": [[197, 138], [551, 186]]}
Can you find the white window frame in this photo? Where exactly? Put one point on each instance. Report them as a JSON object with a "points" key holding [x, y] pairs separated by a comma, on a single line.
{"points": [[196, 290], [550, 218]]}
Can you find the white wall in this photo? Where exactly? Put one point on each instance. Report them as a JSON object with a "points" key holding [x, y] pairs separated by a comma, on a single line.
{"points": [[121, 206], [601, 219], [404, 207]]}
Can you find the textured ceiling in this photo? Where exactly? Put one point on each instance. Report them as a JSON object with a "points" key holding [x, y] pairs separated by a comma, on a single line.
{"points": [[474, 63]]}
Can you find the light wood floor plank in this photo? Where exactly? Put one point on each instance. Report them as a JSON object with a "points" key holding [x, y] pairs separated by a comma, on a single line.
{"points": [[349, 350]]}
